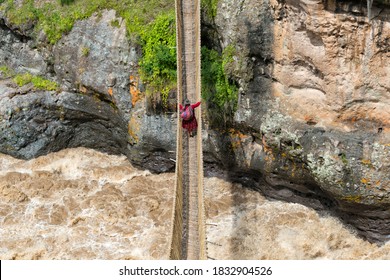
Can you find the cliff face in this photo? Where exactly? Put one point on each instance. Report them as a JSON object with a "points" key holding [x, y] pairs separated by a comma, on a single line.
{"points": [[91, 105], [312, 123], [313, 104], [326, 69]]}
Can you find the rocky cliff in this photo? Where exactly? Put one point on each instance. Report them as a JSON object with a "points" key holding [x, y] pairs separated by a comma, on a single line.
{"points": [[313, 116], [312, 119], [91, 105]]}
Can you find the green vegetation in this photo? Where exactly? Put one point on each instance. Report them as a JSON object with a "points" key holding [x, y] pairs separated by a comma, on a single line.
{"points": [[343, 158], [115, 23], [23, 79], [220, 93], [210, 7], [20, 15], [57, 17], [5, 72], [66, 2], [158, 63], [38, 82], [85, 51], [151, 23]]}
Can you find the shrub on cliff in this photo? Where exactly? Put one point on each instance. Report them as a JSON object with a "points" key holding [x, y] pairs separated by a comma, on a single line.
{"points": [[158, 63], [57, 17], [209, 7], [36, 81], [220, 93]]}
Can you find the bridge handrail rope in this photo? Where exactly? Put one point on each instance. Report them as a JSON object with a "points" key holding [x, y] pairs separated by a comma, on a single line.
{"points": [[188, 238]]}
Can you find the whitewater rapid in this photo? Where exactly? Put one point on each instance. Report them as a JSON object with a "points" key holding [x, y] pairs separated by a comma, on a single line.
{"points": [[83, 204]]}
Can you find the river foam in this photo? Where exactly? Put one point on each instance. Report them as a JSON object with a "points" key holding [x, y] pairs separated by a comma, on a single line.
{"points": [[83, 204]]}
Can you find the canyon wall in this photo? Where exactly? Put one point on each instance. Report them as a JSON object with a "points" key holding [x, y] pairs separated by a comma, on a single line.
{"points": [[312, 121], [313, 115]]}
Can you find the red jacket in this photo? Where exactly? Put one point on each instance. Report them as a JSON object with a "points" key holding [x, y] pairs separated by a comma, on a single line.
{"points": [[190, 124], [192, 105]]}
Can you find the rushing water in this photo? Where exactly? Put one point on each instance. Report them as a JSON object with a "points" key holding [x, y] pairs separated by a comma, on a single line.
{"points": [[82, 204]]}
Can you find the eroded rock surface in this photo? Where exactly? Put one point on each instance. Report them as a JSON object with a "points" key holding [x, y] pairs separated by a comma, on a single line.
{"points": [[313, 114], [18, 54], [97, 57], [92, 66], [40, 122]]}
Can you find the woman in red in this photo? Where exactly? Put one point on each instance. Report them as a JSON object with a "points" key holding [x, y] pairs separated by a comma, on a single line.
{"points": [[188, 116]]}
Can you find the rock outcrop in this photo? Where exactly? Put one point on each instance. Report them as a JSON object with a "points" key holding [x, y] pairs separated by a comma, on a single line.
{"points": [[92, 65], [97, 57], [152, 138], [18, 54], [40, 122], [313, 113]]}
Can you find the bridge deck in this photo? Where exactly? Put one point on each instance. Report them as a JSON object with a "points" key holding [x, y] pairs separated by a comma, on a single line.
{"points": [[188, 236]]}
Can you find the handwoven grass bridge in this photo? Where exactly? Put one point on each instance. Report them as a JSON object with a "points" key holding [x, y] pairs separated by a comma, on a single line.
{"points": [[188, 239]]}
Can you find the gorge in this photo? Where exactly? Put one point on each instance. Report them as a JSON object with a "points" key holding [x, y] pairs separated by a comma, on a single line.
{"points": [[305, 117]]}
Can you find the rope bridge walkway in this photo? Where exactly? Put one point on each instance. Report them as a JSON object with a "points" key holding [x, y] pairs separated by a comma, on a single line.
{"points": [[188, 239]]}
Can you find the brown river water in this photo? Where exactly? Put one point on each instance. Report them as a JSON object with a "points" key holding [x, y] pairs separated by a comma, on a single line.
{"points": [[83, 204]]}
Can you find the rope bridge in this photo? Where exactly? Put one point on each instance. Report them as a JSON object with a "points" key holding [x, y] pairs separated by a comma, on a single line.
{"points": [[188, 239]]}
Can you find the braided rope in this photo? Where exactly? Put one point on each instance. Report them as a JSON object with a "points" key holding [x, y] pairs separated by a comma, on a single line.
{"points": [[188, 238]]}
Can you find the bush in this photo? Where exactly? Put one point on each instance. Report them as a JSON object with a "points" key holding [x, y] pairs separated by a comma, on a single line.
{"points": [[158, 63], [115, 23], [41, 83], [26, 13], [57, 17], [23, 79], [209, 7], [85, 51], [220, 93]]}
